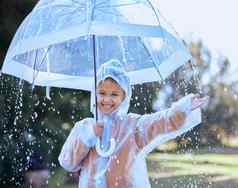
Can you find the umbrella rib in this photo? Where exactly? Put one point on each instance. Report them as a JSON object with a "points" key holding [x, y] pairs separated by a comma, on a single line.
{"points": [[77, 9], [170, 25], [101, 3], [117, 5], [155, 65], [43, 59], [34, 68], [61, 5], [157, 17], [108, 12], [76, 2]]}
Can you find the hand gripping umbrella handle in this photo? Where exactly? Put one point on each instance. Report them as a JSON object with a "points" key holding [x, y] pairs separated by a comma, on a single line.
{"points": [[109, 151]]}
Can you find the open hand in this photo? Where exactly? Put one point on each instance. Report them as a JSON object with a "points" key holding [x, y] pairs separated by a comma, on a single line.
{"points": [[198, 101]]}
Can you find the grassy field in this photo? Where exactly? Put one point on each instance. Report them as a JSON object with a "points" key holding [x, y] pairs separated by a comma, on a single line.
{"points": [[208, 170], [193, 170]]}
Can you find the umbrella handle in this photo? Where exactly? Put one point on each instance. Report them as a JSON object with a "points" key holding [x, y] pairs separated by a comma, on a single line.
{"points": [[109, 151]]}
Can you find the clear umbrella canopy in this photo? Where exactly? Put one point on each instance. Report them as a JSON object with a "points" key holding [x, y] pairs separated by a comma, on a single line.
{"points": [[59, 41]]}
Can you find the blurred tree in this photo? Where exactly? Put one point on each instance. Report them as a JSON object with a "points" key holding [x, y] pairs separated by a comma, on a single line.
{"points": [[207, 75], [222, 112], [30, 123]]}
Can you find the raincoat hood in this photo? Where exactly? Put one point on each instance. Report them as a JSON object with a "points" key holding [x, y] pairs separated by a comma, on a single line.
{"points": [[114, 69]]}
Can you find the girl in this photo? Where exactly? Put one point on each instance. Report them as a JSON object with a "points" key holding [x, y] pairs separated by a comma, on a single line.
{"points": [[122, 167]]}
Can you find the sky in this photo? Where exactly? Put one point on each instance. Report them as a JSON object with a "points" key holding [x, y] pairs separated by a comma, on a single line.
{"points": [[213, 21]]}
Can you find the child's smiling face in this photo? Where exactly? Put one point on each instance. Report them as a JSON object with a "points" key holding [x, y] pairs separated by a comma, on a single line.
{"points": [[109, 95]]}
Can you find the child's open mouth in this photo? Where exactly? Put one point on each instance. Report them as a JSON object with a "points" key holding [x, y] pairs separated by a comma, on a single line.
{"points": [[107, 106]]}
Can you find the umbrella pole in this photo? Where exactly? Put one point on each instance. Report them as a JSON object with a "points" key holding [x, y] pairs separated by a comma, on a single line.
{"points": [[95, 74], [112, 147]]}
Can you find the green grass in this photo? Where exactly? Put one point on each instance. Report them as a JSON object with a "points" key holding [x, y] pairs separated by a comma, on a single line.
{"points": [[182, 171], [223, 159], [193, 170]]}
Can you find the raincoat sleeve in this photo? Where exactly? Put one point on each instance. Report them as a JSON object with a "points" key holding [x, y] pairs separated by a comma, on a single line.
{"points": [[151, 125], [77, 145]]}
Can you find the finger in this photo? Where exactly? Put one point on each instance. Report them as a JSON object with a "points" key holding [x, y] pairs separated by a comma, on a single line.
{"points": [[99, 124], [100, 127], [199, 102], [75, 144], [180, 117], [195, 96], [177, 120]]}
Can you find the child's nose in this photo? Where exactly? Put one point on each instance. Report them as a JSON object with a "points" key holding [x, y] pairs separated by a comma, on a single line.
{"points": [[107, 98]]}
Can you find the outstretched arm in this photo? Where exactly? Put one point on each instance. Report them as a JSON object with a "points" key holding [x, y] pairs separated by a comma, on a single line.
{"points": [[77, 145], [151, 125]]}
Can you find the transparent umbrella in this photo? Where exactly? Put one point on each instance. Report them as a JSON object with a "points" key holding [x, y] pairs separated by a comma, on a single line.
{"points": [[61, 43]]}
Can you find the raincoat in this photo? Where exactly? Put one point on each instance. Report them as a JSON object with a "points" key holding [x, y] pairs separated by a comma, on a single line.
{"points": [[125, 168]]}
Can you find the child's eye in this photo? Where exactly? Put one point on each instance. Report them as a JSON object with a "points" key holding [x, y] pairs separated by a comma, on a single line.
{"points": [[114, 94], [101, 93]]}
